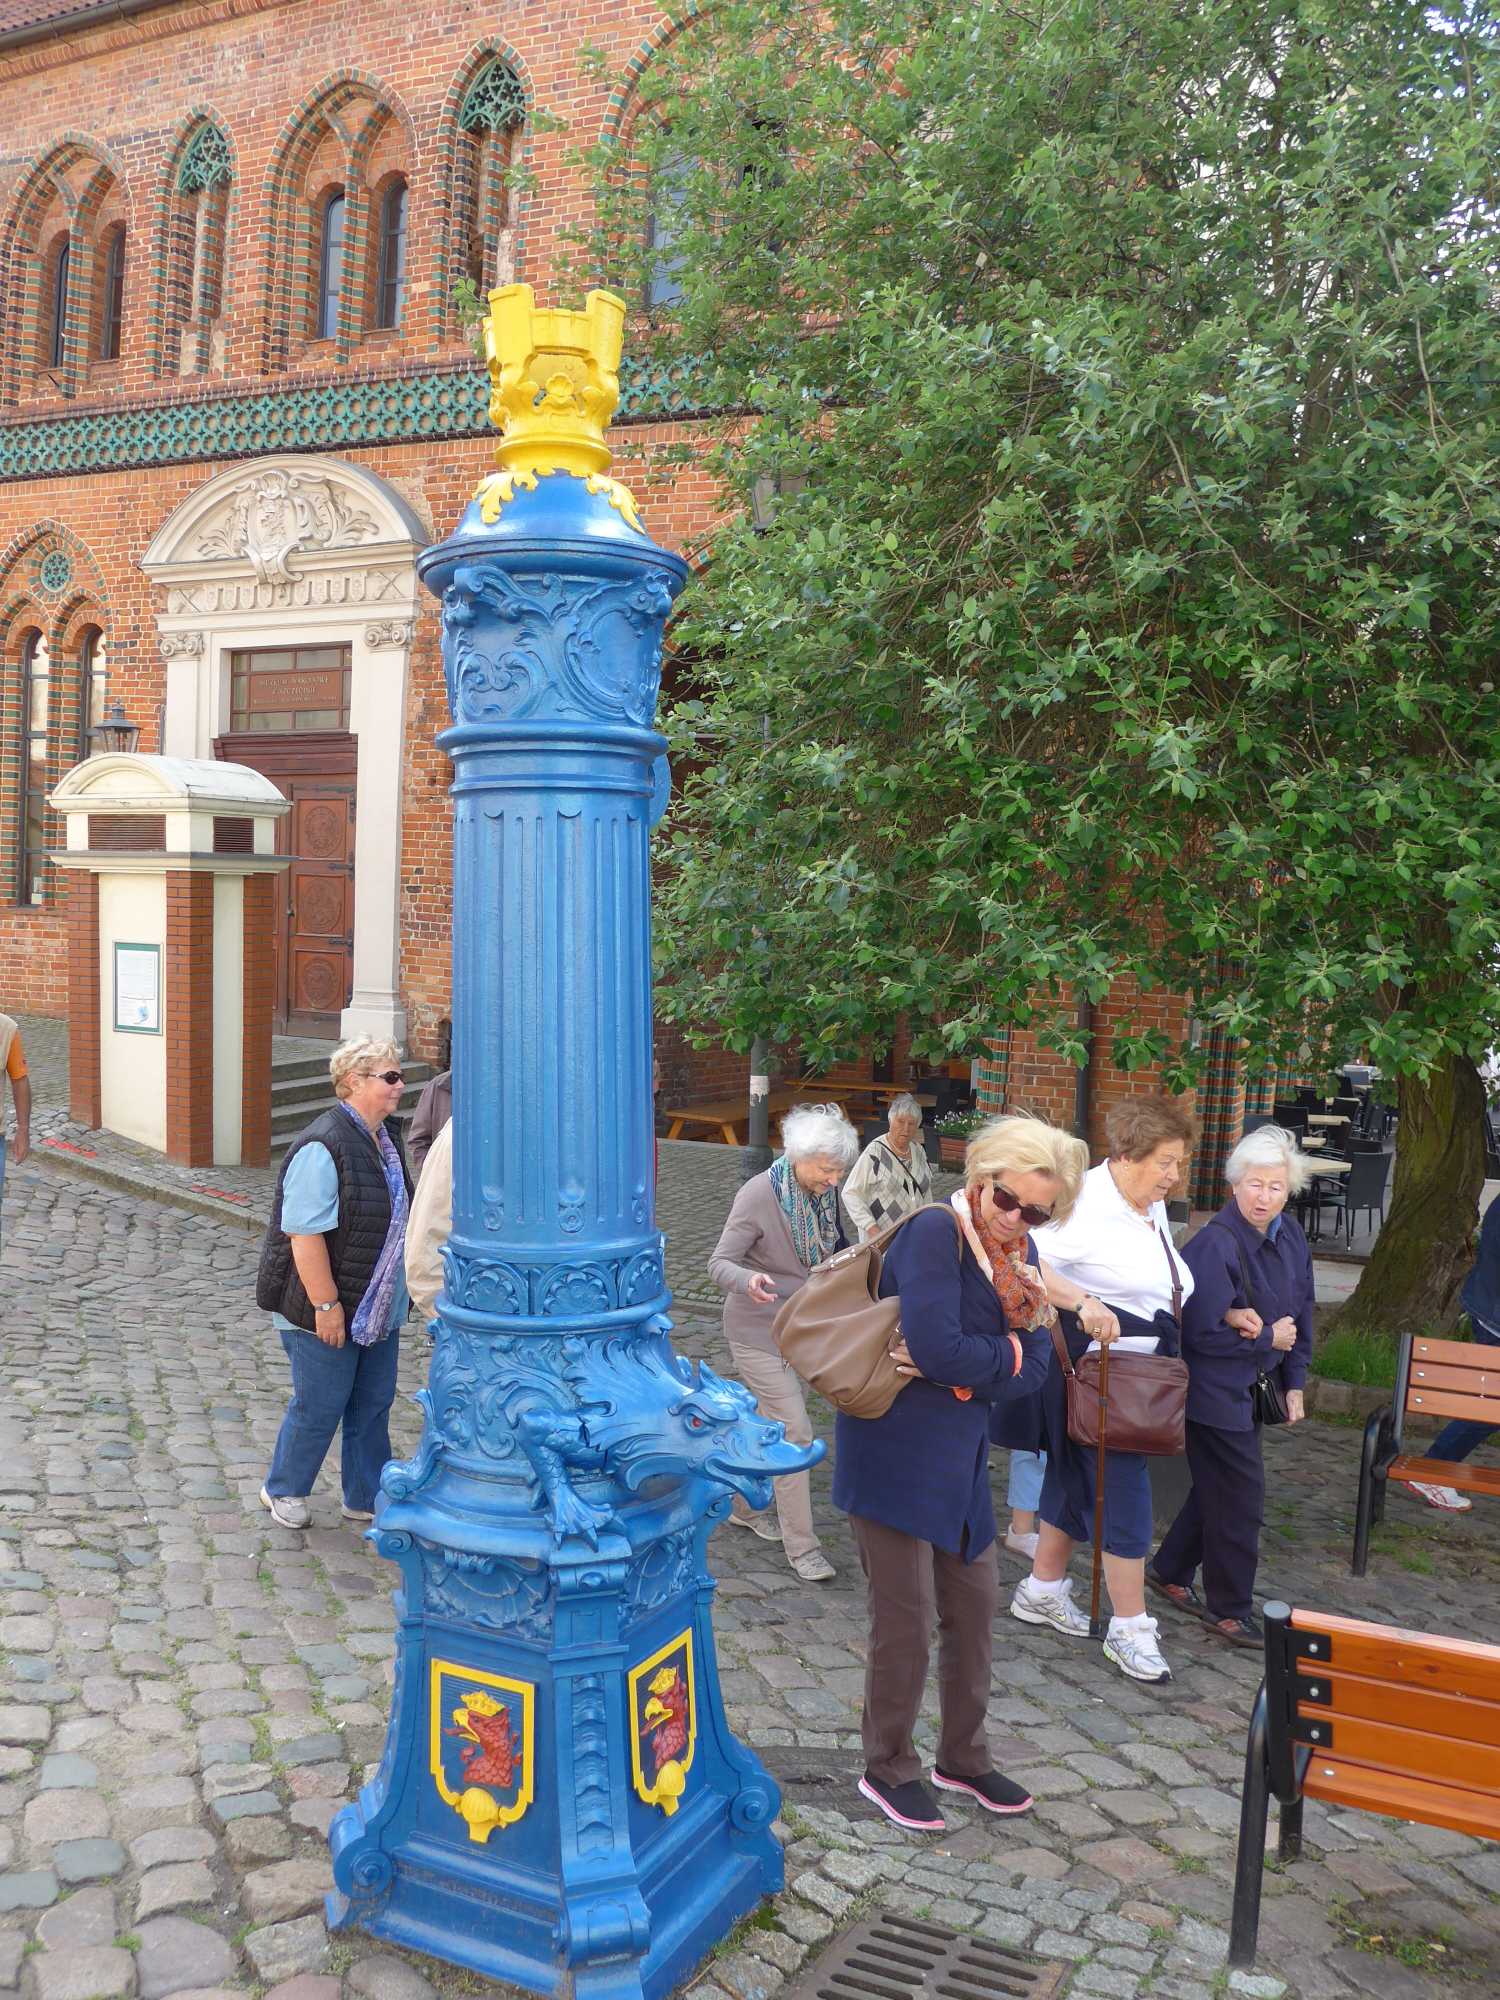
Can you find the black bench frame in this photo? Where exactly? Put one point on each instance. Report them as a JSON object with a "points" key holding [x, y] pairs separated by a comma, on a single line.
{"points": [[1382, 1444], [1276, 1759]]}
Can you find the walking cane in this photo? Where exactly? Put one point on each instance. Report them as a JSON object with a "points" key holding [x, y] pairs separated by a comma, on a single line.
{"points": [[1095, 1628]]}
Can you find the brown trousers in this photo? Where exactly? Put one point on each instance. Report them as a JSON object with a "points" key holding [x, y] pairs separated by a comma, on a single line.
{"points": [[909, 1584]]}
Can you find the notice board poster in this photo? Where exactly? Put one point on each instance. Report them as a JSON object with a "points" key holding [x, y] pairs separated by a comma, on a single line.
{"points": [[138, 989]]}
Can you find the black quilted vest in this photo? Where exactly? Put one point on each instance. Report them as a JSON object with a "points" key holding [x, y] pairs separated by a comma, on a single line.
{"points": [[364, 1216]]}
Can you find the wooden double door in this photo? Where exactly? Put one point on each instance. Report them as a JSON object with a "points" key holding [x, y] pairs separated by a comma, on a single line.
{"points": [[312, 936]]}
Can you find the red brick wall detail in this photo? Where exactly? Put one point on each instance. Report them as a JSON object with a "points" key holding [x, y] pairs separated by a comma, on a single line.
{"points": [[255, 1095], [190, 1018], [84, 1099]]}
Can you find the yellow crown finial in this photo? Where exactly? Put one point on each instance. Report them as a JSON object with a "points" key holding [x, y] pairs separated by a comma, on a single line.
{"points": [[554, 384], [554, 380]]}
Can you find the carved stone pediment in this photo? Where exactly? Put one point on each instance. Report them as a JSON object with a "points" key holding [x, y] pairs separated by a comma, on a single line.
{"points": [[275, 522]]}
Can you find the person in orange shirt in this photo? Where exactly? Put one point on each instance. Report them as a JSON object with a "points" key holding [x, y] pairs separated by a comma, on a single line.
{"points": [[13, 1064]]}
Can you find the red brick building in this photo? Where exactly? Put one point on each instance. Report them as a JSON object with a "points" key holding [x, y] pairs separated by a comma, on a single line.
{"points": [[236, 399]]}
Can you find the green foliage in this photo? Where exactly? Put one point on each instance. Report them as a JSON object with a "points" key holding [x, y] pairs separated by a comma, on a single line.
{"points": [[1132, 379], [1345, 1355]]}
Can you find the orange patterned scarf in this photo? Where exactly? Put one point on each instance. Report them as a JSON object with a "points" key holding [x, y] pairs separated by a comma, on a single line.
{"points": [[1018, 1285]]}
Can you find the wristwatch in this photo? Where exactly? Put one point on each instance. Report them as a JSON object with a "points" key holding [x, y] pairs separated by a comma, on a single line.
{"points": [[324, 1309]]}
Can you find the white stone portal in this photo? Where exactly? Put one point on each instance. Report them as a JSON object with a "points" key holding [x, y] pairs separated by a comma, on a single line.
{"points": [[300, 551]]}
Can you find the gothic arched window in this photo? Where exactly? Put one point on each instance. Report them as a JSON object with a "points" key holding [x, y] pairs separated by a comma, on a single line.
{"points": [[57, 304], [493, 111], [330, 264], [31, 793], [390, 277], [195, 270], [111, 318]]}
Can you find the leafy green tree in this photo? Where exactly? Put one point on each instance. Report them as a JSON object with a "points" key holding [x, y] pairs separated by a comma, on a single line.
{"points": [[1129, 374]]}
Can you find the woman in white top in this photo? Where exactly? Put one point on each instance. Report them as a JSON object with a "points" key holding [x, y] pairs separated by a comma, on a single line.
{"points": [[1117, 1244], [891, 1177]]}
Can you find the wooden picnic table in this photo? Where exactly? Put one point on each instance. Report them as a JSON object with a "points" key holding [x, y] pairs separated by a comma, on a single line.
{"points": [[728, 1118], [1327, 1167], [1328, 1118]]}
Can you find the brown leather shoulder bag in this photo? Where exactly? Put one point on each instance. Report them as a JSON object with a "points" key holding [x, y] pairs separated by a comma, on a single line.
{"points": [[837, 1332]]}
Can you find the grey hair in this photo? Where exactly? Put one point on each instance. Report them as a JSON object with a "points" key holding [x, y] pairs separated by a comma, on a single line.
{"points": [[819, 1131], [360, 1052], [1269, 1146], [904, 1106]]}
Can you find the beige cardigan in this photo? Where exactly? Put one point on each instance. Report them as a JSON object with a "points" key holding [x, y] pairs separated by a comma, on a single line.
{"points": [[428, 1225], [756, 1237]]}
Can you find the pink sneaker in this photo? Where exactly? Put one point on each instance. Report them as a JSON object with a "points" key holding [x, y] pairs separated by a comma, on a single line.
{"points": [[1444, 1498]]}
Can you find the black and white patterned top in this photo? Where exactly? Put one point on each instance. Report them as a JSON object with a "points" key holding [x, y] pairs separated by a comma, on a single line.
{"points": [[883, 1187]]}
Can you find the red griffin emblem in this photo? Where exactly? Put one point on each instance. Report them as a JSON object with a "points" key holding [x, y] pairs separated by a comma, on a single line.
{"points": [[665, 1717], [489, 1746]]}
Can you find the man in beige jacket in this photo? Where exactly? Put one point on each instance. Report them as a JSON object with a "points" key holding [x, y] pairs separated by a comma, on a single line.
{"points": [[428, 1225]]}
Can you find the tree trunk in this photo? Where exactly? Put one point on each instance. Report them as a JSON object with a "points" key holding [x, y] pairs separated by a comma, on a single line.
{"points": [[1425, 1245]]}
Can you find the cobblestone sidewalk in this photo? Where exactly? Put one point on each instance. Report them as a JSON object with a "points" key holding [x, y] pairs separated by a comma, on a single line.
{"points": [[189, 1692]]}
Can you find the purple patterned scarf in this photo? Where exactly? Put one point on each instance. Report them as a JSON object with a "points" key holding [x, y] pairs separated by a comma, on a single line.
{"points": [[372, 1320]]}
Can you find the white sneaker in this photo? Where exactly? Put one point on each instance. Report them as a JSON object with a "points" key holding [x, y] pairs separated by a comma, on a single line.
{"points": [[814, 1567], [1036, 1606], [1022, 1545], [765, 1525], [286, 1511], [1448, 1498], [357, 1513], [1134, 1650]]}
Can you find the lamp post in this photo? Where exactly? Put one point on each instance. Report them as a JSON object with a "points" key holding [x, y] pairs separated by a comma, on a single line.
{"points": [[115, 731], [560, 1803]]}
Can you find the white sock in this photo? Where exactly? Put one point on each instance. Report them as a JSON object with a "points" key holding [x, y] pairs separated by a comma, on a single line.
{"points": [[1137, 1624], [1057, 1586]]}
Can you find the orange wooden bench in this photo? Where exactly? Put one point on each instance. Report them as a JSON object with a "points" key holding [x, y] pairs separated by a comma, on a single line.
{"points": [[1371, 1719], [1434, 1378]]}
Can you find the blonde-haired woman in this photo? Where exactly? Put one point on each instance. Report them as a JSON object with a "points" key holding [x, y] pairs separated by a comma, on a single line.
{"points": [[915, 1482], [333, 1278]]}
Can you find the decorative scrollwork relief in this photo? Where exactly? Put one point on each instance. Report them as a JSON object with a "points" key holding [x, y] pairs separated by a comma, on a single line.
{"points": [[552, 645], [591, 1766], [490, 1592], [667, 1568]]}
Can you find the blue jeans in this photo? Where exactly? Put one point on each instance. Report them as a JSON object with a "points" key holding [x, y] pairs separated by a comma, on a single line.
{"points": [[1456, 1440], [1026, 1472], [351, 1385]]}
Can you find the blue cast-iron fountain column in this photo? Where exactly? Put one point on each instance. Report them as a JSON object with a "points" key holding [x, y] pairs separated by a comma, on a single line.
{"points": [[560, 1803]]}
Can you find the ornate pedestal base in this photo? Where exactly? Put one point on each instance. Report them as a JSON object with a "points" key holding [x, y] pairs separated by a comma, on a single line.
{"points": [[561, 1804]]}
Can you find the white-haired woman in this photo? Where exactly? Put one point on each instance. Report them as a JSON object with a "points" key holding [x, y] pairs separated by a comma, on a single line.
{"points": [[332, 1275], [783, 1222], [915, 1482], [891, 1177], [1251, 1313]]}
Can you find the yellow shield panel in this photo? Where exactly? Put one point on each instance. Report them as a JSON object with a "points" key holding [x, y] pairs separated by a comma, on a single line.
{"points": [[482, 1745], [664, 1723]]}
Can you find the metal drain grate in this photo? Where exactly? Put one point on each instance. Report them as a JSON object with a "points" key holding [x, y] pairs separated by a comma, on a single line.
{"points": [[894, 1957]]}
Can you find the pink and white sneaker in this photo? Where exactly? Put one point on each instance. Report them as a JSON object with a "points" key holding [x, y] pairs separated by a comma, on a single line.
{"points": [[1445, 1498]]}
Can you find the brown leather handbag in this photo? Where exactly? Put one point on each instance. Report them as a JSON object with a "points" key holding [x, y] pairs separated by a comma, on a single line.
{"points": [[1140, 1404], [837, 1332]]}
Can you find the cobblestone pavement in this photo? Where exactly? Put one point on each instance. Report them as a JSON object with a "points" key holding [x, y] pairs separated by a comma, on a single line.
{"points": [[190, 1691]]}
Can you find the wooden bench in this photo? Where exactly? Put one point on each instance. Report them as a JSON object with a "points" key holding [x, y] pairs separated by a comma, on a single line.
{"points": [[1370, 1719], [1434, 1378]]}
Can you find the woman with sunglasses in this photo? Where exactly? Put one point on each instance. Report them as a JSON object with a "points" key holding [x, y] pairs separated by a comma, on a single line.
{"points": [[1116, 1248], [915, 1482], [333, 1278]]}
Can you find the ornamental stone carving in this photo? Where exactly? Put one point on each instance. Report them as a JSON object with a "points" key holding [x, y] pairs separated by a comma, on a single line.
{"points": [[393, 633], [273, 515], [180, 645]]}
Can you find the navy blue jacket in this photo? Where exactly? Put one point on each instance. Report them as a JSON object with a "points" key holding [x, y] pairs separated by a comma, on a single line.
{"points": [[1481, 1293], [923, 1468], [1222, 1364]]}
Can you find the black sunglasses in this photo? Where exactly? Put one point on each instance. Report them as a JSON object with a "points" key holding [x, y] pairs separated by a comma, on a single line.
{"points": [[1009, 1203], [386, 1075]]}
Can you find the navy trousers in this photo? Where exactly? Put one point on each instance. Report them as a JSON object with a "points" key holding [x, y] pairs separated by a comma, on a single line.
{"points": [[1220, 1522]]}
